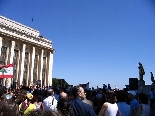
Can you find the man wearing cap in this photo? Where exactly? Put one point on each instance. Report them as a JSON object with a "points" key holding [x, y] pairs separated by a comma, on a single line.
{"points": [[50, 103], [133, 102]]}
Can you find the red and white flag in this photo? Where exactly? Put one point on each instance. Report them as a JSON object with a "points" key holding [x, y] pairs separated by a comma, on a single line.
{"points": [[6, 71]]}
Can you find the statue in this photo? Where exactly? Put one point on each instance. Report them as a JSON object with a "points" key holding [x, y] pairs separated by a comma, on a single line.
{"points": [[141, 71], [152, 78]]}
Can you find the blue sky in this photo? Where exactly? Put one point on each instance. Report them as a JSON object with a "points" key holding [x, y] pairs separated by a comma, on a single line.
{"points": [[100, 41]]}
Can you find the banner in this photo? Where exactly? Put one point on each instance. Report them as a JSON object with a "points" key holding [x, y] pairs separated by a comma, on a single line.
{"points": [[38, 82], [6, 71]]}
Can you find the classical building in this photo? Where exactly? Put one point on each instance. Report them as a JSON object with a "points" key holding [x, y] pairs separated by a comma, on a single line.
{"points": [[31, 53]]}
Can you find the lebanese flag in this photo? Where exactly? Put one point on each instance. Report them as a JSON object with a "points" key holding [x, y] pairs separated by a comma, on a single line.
{"points": [[6, 71]]}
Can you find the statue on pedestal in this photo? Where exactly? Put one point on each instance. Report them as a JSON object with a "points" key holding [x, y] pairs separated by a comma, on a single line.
{"points": [[141, 71], [152, 78]]}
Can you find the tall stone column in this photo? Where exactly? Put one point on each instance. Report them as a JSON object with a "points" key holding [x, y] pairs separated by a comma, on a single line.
{"points": [[1, 80], [50, 69], [0, 45], [44, 73], [32, 66], [22, 58], [10, 58], [45, 79], [41, 65]]}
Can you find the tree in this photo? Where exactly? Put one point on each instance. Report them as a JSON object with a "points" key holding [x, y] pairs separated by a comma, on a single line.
{"points": [[55, 82]]}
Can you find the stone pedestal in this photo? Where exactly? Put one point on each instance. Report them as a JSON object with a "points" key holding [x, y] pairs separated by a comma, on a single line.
{"points": [[141, 82]]}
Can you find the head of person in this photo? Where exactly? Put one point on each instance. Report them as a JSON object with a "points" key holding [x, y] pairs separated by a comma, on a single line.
{"points": [[9, 107], [50, 92], [39, 98], [21, 96], [64, 107], [63, 95], [142, 98], [78, 92], [131, 94], [121, 96], [35, 113], [111, 97]]}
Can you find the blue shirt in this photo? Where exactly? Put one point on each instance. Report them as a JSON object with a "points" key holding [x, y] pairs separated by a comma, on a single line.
{"points": [[79, 108], [134, 104], [124, 108]]}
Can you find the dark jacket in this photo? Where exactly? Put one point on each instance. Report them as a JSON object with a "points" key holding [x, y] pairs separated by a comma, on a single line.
{"points": [[79, 108]]}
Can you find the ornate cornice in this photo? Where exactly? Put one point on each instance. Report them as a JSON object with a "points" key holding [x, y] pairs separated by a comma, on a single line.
{"points": [[12, 29]]}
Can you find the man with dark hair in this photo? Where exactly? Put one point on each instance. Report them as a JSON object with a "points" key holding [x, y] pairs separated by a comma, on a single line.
{"points": [[50, 103], [79, 108]]}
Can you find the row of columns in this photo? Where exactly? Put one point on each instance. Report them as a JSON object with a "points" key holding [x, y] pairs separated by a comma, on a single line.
{"points": [[30, 68]]}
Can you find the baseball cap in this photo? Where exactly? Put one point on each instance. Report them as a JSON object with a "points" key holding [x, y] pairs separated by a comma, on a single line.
{"points": [[132, 92], [29, 96]]}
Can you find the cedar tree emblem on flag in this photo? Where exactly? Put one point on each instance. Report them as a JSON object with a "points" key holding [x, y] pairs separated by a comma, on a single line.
{"points": [[6, 71]]}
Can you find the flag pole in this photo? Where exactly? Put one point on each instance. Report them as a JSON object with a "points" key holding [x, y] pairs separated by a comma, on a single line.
{"points": [[32, 21]]}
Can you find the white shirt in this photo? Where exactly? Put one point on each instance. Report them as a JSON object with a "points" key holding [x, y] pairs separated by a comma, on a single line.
{"points": [[112, 110], [50, 103]]}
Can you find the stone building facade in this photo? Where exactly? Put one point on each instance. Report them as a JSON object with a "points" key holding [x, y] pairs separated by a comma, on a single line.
{"points": [[31, 53]]}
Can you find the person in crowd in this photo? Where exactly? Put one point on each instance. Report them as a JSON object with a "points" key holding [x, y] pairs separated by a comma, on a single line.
{"points": [[152, 97], [42, 113], [8, 107], [39, 103], [27, 106], [35, 113], [99, 94], [50, 103], [20, 96], [35, 95], [143, 108], [63, 95], [56, 94], [110, 107], [133, 102], [64, 108], [121, 103], [78, 107], [85, 100]]}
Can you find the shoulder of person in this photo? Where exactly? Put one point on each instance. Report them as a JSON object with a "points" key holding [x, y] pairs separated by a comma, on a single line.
{"points": [[106, 103]]}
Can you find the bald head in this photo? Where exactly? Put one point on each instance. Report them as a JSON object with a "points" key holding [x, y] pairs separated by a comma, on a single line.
{"points": [[63, 95]]}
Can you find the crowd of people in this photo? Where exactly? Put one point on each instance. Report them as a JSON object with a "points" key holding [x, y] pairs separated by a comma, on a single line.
{"points": [[75, 101]]}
